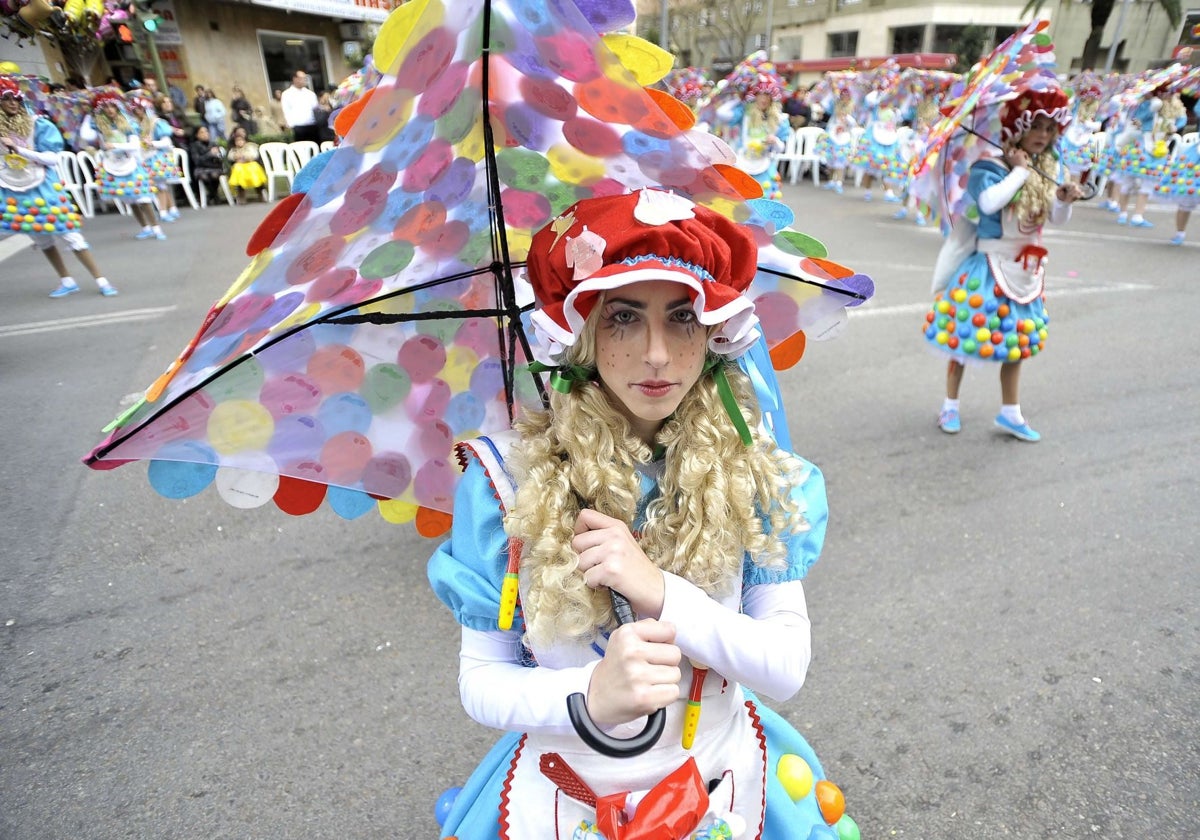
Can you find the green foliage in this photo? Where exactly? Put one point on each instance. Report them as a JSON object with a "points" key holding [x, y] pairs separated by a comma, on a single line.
{"points": [[969, 47]]}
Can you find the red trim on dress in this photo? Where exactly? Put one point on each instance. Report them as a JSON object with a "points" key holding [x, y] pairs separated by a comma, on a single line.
{"points": [[504, 791], [762, 743], [460, 451]]}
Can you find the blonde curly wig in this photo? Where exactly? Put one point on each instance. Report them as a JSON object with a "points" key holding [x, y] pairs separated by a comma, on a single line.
{"points": [[718, 499], [114, 130], [1036, 196], [18, 125]]}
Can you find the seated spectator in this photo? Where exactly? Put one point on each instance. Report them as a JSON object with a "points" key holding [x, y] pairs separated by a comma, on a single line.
{"points": [[205, 156], [245, 169]]}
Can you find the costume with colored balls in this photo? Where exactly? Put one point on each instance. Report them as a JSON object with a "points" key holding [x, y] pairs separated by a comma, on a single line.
{"points": [[764, 134], [32, 198], [122, 175], [988, 285], [729, 608]]}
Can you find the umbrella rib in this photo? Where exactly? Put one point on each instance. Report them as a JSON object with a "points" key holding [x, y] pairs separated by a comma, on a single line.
{"points": [[790, 276]]}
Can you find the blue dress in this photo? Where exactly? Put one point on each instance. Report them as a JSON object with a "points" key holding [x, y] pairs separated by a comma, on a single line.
{"points": [[32, 198], [466, 573], [978, 316]]}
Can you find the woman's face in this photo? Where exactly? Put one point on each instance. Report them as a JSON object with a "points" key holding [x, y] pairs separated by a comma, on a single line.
{"points": [[763, 100], [650, 351], [1039, 136], [202, 134]]}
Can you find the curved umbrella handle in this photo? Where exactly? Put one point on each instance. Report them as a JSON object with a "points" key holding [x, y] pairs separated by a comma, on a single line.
{"points": [[594, 736]]}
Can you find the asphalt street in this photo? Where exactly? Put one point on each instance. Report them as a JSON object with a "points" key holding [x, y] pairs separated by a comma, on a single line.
{"points": [[1005, 634]]}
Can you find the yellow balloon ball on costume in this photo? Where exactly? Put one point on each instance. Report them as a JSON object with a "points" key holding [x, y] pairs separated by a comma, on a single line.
{"points": [[941, 338], [10, 67], [943, 307], [959, 295], [795, 775]]}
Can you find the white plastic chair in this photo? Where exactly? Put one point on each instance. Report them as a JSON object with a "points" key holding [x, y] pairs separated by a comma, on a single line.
{"points": [[72, 180], [185, 180], [800, 154], [274, 157], [87, 168], [222, 184], [1189, 139], [301, 152], [326, 145]]}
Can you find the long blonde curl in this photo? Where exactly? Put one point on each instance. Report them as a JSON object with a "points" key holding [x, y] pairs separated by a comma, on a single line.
{"points": [[1036, 197], [718, 501]]}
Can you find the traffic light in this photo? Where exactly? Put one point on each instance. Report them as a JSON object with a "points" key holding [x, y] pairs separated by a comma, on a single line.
{"points": [[143, 10]]}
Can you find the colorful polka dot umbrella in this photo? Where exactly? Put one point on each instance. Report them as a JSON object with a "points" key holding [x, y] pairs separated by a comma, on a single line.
{"points": [[383, 314], [971, 118]]}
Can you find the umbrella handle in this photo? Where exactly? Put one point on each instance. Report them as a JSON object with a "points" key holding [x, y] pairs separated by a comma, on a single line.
{"points": [[594, 736]]}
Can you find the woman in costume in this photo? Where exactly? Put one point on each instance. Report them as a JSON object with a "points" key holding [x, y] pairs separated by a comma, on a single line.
{"points": [[625, 482], [1143, 152], [121, 176], [836, 145], [989, 306], [158, 153], [764, 133], [32, 198]]}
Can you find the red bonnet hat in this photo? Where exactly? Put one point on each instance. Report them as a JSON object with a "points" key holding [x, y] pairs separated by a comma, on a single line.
{"points": [[604, 243], [1017, 114]]}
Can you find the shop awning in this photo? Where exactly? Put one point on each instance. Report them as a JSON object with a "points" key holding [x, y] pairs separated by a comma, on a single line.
{"points": [[375, 11]]}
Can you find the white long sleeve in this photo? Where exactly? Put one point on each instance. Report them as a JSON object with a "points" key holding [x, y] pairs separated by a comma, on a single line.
{"points": [[996, 197], [766, 648], [498, 691], [1060, 212], [46, 159]]}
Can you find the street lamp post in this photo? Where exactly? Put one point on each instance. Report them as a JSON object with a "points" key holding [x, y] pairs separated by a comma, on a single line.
{"points": [[663, 39], [770, 29]]}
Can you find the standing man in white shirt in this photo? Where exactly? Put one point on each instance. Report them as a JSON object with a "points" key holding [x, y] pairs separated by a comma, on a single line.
{"points": [[298, 102]]}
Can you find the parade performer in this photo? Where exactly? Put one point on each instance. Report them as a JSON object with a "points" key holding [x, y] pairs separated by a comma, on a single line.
{"points": [[764, 133], [1077, 146], [1181, 184], [121, 175], [879, 153], [158, 153], [924, 118], [640, 314], [837, 143], [1143, 153], [989, 307], [32, 199]]}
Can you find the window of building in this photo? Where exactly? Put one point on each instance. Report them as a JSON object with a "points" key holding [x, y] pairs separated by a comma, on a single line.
{"points": [[946, 37], [843, 44], [841, 4], [284, 53], [908, 39], [1003, 32]]}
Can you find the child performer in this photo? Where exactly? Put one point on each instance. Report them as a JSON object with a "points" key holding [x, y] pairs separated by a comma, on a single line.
{"points": [[990, 307]]}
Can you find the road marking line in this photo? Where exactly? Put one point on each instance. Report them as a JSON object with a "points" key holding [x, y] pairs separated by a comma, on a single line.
{"points": [[58, 324], [868, 311], [13, 244]]}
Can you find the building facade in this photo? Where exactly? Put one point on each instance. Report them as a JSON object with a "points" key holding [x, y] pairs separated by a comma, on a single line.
{"points": [[256, 45], [819, 30]]}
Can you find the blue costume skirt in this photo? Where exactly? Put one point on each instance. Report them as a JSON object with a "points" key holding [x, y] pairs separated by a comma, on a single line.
{"points": [[161, 166], [1181, 181], [475, 812], [879, 160], [1078, 159], [136, 186], [973, 321], [834, 155], [46, 208]]}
